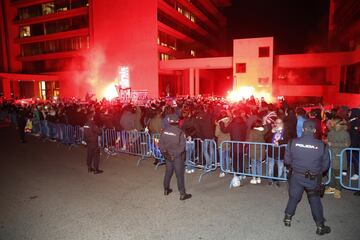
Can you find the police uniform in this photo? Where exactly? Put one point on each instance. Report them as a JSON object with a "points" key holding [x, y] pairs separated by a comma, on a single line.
{"points": [[91, 133], [172, 147], [308, 158]]}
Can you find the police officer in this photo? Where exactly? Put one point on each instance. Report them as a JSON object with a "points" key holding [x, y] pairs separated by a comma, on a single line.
{"points": [[172, 146], [91, 133], [308, 158]]}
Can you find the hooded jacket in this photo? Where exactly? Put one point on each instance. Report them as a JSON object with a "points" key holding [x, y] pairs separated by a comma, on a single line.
{"points": [[338, 139]]}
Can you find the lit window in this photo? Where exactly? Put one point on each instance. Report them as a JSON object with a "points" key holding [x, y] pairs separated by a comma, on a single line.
{"points": [[25, 31], [179, 9], [43, 89], [164, 56], [192, 53], [48, 8], [192, 18]]}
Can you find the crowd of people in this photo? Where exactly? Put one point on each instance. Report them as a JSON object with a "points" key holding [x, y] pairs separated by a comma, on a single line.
{"points": [[249, 120]]}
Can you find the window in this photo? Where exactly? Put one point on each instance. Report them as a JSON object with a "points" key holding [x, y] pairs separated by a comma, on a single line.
{"points": [[264, 52], [43, 90], [164, 56], [48, 8], [241, 68], [192, 53], [350, 78], [25, 31]]}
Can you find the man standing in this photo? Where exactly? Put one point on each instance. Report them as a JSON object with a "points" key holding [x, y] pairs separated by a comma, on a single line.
{"points": [[91, 133], [309, 159], [172, 147]]}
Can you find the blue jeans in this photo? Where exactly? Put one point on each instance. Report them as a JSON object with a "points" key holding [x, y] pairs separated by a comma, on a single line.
{"points": [[36, 126], [280, 165], [52, 130], [226, 159], [209, 153], [256, 167], [60, 131], [44, 128], [190, 147]]}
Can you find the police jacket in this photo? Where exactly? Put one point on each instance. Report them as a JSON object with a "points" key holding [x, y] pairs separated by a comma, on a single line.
{"points": [[91, 132], [307, 154], [173, 141]]}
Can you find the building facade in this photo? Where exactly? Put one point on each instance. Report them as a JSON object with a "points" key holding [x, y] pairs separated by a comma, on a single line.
{"points": [[84, 43]]}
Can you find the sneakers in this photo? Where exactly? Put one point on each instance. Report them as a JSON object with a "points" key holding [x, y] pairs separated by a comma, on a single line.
{"points": [[355, 177], [321, 229], [236, 182], [337, 194], [221, 175], [255, 180], [344, 173], [190, 170], [329, 190]]}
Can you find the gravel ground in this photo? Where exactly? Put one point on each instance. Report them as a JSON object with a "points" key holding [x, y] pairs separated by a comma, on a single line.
{"points": [[46, 193]]}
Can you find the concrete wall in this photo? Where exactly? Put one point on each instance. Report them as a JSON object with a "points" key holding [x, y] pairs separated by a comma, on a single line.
{"points": [[125, 33], [247, 51]]}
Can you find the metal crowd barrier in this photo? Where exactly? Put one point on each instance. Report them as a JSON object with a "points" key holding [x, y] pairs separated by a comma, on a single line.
{"points": [[253, 159], [351, 156], [199, 154], [131, 142], [155, 150]]}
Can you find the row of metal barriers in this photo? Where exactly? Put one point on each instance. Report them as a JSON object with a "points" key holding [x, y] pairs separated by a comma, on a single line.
{"points": [[259, 160]]}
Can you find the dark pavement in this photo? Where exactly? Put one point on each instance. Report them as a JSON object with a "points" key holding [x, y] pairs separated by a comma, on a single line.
{"points": [[47, 194]]}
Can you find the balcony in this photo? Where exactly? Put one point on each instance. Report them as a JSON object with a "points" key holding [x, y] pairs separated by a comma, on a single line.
{"points": [[169, 10], [51, 17], [59, 55], [200, 15], [175, 33], [172, 52], [60, 35]]}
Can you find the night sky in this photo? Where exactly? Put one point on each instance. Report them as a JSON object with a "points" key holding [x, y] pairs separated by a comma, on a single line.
{"points": [[298, 26]]}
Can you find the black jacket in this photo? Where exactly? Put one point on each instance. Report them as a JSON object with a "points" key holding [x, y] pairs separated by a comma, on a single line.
{"points": [[237, 129], [173, 141], [307, 154], [91, 132]]}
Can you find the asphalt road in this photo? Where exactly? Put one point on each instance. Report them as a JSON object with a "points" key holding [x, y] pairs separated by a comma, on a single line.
{"points": [[47, 194]]}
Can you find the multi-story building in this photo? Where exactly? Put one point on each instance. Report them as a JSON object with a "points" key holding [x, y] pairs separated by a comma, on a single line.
{"points": [[70, 47]]}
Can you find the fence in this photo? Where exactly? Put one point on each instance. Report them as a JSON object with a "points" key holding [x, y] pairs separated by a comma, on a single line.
{"points": [[130, 142], [199, 154], [351, 156], [253, 159], [263, 160]]}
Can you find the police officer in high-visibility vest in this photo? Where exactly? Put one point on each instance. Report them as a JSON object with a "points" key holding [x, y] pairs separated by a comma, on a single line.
{"points": [[308, 159], [91, 133], [172, 147]]}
